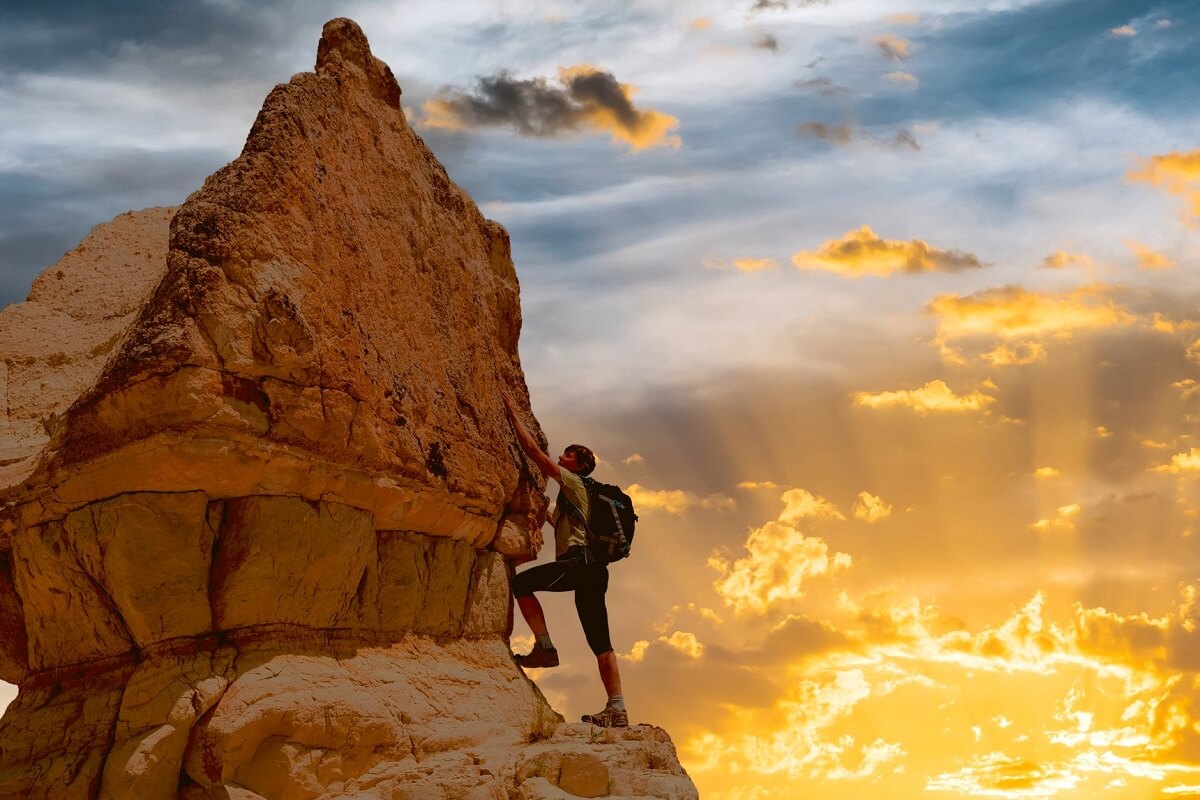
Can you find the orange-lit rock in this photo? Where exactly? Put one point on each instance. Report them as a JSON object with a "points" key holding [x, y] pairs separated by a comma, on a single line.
{"points": [[259, 500]]}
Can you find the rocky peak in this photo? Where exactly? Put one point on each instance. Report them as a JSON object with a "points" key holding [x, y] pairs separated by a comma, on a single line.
{"points": [[262, 505]]}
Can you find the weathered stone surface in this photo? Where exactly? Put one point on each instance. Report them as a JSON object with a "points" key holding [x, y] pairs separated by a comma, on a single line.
{"points": [[55, 736], [53, 345], [68, 616], [583, 775], [490, 599], [328, 296], [14, 642], [152, 555]]}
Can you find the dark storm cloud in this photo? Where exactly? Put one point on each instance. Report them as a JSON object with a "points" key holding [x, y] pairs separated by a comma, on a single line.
{"points": [[585, 98]]}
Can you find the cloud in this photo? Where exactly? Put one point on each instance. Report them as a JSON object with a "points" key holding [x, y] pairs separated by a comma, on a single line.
{"points": [[783, 5], [905, 139], [1046, 472], [1175, 173], [933, 398], [680, 641], [904, 19], [1124, 30], [900, 76], [635, 458], [766, 41], [894, 47], [700, 24], [757, 485], [780, 559], [1060, 259], [822, 85], [801, 504], [676, 501], [862, 252], [1181, 463], [1015, 313], [1021, 354], [585, 98], [997, 774], [871, 508], [841, 134], [1148, 258], [754, 264], [1162, 23], [1062, 521]]}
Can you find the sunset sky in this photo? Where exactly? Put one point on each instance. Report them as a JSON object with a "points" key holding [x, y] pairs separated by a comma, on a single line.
{"points": [[885, 313]]}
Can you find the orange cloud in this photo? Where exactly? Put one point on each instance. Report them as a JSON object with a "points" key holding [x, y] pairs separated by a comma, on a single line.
{"points": [[893, 47], [1014, 313], [1062, 521], [780, 559], [676, 501], [754, 264], [679, 641], [1148, 258], [756, 485], [933, 397], [871, 508], [1124, 30], [1061, 258], [862, 252], [1046, 472], [1176, 173], [1181, 463], [1023, 353]]}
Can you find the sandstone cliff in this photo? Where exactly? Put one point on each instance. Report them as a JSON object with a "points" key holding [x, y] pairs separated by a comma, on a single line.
{"points": [[260, 502]]}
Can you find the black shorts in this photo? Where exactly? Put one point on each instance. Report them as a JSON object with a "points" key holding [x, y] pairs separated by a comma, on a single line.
{"points": [[588, 581]]}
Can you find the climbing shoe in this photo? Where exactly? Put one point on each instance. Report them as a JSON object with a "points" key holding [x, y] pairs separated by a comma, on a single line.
{"points": [[537, 658], [608, 718]]}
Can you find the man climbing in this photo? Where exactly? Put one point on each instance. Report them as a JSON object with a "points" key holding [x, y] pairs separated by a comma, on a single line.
{"points": [[575, 569]]}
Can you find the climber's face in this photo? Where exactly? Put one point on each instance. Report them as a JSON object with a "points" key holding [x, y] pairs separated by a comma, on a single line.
{"points": [[569, 460]]}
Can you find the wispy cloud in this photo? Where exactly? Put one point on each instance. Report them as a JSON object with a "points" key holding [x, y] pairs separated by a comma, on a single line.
{"points": [[862, 252], [1061, 259], [1176, 173], [1147, 257], [585, 98], [837, 134], [871, 508], [677, 501], [893, 47], [754, 264], [902, 77], [766, 41]]}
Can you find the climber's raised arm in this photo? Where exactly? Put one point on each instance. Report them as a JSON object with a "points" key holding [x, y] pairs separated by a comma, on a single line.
{"points": [[529, 444]]}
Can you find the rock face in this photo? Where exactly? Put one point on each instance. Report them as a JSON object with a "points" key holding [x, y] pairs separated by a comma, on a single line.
{"points": [[259, 501]]}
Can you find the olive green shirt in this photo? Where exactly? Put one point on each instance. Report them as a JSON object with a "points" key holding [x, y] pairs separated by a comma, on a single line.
{"points": [[568, 530]]}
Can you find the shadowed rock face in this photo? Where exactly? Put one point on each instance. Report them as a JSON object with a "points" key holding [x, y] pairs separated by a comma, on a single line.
{"points": [[259, 502]]}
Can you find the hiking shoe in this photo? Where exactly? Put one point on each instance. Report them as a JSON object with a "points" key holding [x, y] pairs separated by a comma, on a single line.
{"points": [[537, 658], [608, 718]]}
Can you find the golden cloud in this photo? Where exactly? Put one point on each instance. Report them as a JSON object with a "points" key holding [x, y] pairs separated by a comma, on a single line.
{"points": [[780, 559], [754, 264], [1061, 258], [862, 252], [586, 98], [1148, 258], [871, 508], [1015, 313], [801, 504], [1181, 463], [757, 485], [933, 397], [1019, 355], [1176, 173], [635, 458], [1046, 472], [679, 641], [1063, 520], [677, 501]]}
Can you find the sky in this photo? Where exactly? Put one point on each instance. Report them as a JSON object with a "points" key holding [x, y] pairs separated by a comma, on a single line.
{"points": [[885, 314]]}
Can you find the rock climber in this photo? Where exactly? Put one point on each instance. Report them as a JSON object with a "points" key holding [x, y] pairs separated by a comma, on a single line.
{"points": [[574, 569]]}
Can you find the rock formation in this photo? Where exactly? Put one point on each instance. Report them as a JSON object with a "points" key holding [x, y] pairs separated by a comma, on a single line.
{"points": [[259, 502]]}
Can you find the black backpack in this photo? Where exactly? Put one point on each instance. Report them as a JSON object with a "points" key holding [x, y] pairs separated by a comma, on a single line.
{"points": [[610, 521]]}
